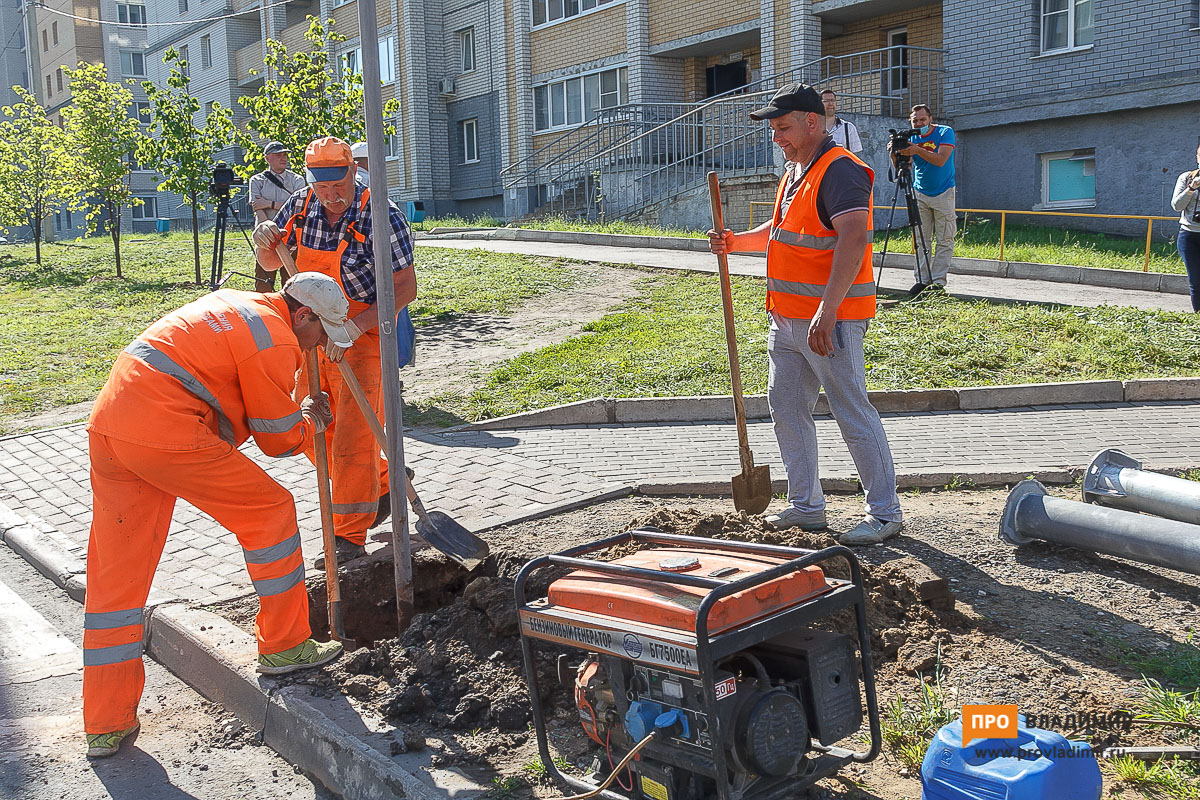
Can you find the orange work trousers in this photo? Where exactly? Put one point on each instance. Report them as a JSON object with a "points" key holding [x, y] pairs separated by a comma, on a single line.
{"points": [[134, 488], [357, 468]]}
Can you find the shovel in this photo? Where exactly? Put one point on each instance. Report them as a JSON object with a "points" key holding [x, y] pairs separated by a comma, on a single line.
{"points": [[751, 487], [441, 531]]}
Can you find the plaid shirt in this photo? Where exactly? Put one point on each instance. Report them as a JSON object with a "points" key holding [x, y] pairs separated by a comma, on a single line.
{"points": [[358, 268]]}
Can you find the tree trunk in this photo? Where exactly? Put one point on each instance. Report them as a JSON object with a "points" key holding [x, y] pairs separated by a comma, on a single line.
{"points": [[114, 231], [195, 238], [37, 241]]}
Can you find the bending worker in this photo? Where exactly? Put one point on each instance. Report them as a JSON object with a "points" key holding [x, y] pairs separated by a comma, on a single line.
{"points": [[821, 298], [167, 424], [332, 225]]}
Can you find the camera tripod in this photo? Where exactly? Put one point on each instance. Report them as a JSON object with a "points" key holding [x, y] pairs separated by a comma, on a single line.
{"points": [[901, 175], [224, 211]]}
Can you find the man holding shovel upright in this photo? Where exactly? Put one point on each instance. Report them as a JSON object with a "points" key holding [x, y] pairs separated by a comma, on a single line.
{"points": [[331, 225], [180, 400], [821, 297]]}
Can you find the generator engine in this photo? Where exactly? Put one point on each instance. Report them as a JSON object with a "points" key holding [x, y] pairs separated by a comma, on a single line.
{"points": [[701, 656]]}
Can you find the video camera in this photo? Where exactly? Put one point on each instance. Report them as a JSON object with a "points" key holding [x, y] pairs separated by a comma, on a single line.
{"points": [[897, 141], [223, 179]]}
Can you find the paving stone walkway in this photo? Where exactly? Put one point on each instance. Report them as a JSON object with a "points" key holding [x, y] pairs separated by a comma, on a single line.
{"points": [[485, 478]]}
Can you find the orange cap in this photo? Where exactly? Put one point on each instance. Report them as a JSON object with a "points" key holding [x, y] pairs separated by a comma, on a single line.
{"points": [[327, 159]]}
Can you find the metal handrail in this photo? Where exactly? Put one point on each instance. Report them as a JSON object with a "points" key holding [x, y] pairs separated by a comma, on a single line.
{"points": [[594, 122]]}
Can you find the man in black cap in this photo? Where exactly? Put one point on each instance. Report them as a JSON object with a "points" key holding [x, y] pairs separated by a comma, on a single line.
{"points": [[268, 191], [821, 297]]}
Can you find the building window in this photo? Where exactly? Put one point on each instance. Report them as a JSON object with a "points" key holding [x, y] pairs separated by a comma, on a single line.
{"points": [[577, 100], [553, 10], [45, 41], [148, 209], [1066, 24], [1069, 179], [183, 6], [69, 224], [58, 220], [59, 80], [466, 50], [49, 86], [387, 60], [393, 142], [133, 64], [140, 110], [470, 136], [185, 63], [131, 14], [352, 63], [205, 51], [54, 31]]}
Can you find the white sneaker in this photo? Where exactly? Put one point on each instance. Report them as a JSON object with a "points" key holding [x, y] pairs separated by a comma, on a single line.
{"points": [[870, 531], [792, 517]]}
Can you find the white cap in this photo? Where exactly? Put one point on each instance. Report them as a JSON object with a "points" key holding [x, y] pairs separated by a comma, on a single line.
{"points": [[358, 150], [325, 297]]}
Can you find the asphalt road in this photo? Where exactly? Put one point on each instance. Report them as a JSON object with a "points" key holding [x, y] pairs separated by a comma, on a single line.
{"points": [[187, 749]]}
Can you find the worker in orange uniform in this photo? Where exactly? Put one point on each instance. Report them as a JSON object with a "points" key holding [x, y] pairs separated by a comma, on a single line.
{"points": [[331, 225], [179, 401], [821, 298]]}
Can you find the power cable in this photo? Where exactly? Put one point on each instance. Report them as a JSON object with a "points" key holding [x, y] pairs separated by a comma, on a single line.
{"points": [[45, 7]]}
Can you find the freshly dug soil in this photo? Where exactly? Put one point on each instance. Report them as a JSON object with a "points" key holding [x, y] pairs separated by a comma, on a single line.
{"points": [[1050, 629]]}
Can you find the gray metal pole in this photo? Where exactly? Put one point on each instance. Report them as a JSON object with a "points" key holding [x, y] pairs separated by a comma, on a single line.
{"points": [[1116, 479], [386, 298], [1030, 514]]}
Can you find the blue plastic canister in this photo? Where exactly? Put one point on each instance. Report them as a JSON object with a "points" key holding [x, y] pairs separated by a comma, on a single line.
{"points": [[162, 225], [1037, 765]]}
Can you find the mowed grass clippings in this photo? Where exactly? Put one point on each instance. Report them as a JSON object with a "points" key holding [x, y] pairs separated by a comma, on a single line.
{"points": [[670, 341], [62, 326]]}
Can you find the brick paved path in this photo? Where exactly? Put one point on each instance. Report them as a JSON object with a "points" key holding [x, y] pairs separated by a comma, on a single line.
{"points": [[486, 477]]}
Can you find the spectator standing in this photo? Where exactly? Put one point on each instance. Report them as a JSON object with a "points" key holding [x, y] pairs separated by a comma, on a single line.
{"points": [[268, 191], [359, 151], [844, 133], [1186, 200], [932, 153]]}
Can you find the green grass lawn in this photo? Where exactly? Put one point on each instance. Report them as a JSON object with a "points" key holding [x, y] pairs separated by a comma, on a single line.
{"points": [[62, 326], [980, 238], [669, 341]]}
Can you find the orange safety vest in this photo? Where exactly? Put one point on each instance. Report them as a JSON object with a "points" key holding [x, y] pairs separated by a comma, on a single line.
{"points": [[328, 262], [221, 367], [800, 252]]}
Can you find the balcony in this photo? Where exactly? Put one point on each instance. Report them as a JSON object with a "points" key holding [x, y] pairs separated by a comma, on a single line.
{"points": [[246, 59]]}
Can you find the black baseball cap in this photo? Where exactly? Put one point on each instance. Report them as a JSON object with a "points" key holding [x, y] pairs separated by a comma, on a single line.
{"points": [[790, 97]]}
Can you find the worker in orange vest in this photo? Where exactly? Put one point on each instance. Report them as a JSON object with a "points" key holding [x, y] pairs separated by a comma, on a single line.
{"points": [[821, 298], [331, 224], [179, 401]]}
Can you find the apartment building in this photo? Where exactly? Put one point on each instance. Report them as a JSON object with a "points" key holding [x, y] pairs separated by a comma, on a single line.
{"points": [[13, 67]]}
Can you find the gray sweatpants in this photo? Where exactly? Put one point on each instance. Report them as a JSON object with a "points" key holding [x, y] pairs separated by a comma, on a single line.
{"points": [[796, 377], [937, 222]]}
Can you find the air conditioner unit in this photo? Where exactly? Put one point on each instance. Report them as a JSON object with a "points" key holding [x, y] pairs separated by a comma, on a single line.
{"points": [[446, 86]]}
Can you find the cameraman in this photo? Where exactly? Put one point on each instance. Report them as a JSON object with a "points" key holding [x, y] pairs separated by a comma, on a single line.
{"points": [[268, 191], [932, 153]]}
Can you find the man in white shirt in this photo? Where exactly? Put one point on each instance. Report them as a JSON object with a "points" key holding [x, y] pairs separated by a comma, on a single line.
{"points": [[268, 191], [844, 133], [358, 151]]}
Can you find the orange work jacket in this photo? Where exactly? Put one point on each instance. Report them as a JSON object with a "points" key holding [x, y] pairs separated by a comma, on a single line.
{"points": [[800, 251], [221, 368]]}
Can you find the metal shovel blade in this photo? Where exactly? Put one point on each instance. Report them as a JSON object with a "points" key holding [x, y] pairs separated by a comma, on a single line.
{"points": [[451, 538], [752, 489]]}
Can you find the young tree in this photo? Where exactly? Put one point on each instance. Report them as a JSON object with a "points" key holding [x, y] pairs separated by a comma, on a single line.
{"points": [[101, 137], [303, 99], [182, 152], [34, 167]]}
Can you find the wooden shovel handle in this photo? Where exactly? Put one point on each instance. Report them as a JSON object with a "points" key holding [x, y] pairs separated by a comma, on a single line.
{"points": [[735, 371]]}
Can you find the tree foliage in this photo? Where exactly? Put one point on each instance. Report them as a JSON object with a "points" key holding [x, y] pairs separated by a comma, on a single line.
{"points": [[101, 137], [303, 99], [34, 166], [179, 149]]}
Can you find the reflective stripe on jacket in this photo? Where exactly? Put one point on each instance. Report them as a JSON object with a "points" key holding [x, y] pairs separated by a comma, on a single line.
{"points": [[800, 251], [220, 368]]}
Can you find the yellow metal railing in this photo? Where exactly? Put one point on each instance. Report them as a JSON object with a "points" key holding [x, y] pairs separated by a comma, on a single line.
{"points": [[1150, 220]]}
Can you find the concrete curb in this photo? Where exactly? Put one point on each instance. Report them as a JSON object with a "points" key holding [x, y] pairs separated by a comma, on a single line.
{"points": [[912, 480], [1019, 270], [614, 411]]}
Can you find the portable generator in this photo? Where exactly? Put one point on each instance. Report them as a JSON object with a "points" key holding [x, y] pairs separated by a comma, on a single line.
{"points": [[699, 655]]}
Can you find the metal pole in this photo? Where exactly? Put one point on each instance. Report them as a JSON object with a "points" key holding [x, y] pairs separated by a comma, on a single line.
{"points": [[393, 413], [1116, 479], [1030, 514], [1149, 233]]}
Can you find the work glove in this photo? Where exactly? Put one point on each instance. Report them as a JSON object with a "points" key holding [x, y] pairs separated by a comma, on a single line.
{"points": [[267, 234], [335, 352], [317, 411]]}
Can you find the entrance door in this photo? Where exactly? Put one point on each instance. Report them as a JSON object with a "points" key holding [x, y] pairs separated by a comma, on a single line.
{"points": [[721, 78], [895, 81]]}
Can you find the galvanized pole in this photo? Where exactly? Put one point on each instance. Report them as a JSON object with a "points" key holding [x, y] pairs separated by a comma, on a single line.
{"points": [[1115, 479], [386, 298]]}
